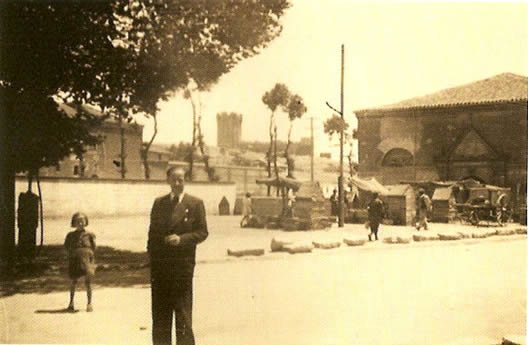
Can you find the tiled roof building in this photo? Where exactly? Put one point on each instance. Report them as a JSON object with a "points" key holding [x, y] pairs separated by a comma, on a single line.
{"points": [[475, 130]]}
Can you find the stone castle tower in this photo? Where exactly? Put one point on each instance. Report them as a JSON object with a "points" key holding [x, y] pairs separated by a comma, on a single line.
{"points": [[229, 129]]}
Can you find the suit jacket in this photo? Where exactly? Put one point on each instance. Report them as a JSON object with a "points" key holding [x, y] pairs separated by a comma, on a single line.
{"points": [[186, 219]]}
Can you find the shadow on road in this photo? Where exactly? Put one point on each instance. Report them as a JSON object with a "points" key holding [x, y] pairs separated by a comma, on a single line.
{"points": [[56, 311], [49, 271]]}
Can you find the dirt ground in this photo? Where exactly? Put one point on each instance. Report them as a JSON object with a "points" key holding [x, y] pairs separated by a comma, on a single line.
{"points": [[123, 262], [439, 293]]}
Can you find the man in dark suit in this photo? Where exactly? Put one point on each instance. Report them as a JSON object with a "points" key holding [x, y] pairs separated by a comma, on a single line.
{"points": [[177, 225]]}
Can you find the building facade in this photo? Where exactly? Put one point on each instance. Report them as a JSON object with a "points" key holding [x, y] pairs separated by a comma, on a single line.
{"points": [[104, 159], [229, 130], [476, 130]]}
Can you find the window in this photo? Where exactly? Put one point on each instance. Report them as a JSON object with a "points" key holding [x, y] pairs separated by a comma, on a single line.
{"points": [[397, 158], [78, 170]]}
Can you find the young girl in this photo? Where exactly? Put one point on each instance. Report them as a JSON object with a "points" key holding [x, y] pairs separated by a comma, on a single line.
{"points": [[80, 245]]}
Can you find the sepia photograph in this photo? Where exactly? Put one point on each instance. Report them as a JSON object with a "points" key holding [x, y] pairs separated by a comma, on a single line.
{"points": [[267, 172]]}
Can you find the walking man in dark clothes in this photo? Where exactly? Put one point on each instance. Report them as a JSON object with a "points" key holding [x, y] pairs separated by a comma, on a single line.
{"points": [[375, 215]]}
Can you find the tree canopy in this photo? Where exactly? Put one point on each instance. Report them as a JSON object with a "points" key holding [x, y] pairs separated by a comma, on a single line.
{"points": [[124, 56], [334, 124]]}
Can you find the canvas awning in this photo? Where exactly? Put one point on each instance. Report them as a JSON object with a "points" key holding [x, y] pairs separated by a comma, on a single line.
{"points": [[442, 193], [369, 184], [397, 189]]}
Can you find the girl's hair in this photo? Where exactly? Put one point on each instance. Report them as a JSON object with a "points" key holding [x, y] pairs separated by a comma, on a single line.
{"points": [[76, 216]]}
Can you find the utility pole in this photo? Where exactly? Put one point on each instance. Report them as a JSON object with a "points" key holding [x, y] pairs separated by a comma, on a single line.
{"points": [[341, 210], [341, 189], [312, 153]]}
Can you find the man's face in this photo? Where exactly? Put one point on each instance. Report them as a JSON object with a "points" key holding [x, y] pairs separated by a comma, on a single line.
{"points": [[176, 181]]}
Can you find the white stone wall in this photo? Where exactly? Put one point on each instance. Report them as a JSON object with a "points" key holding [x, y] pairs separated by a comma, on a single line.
{"points": [[100, 198]]}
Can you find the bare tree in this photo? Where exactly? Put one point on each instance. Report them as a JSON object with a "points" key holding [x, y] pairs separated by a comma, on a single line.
{"points": [[296, 110], [278, 96]]}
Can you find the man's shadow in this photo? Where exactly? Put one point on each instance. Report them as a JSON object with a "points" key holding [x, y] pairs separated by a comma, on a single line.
{"points": [[56, 311]]}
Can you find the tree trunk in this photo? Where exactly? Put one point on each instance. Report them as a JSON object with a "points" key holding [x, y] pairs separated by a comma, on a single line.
{"points": [[350, 165], [287, 152], [270, 150], [123, 154], [7, 217], [147, 148], [81, 165], [201, 144], [194, 135], [275, 158]]}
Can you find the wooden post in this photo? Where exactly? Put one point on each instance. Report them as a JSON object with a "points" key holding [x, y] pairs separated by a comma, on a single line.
{"points": [[341, 211]]}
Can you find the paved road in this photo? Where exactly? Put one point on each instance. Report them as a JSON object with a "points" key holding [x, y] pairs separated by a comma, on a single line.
{"points": [[387, 295]]}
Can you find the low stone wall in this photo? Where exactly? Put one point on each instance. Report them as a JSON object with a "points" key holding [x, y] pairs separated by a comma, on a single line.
{"points": [[62, 197]]}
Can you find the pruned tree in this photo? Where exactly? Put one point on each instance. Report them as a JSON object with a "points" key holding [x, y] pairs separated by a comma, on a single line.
{"points": [[277, 97], [333, 126], [296, 109]]}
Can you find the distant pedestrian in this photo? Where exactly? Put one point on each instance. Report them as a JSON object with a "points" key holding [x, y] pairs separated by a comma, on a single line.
{"points": [[291, 203], [246, 210], [423, 206], [501, 208], [375, 215], [80, 245], [333, 203]]}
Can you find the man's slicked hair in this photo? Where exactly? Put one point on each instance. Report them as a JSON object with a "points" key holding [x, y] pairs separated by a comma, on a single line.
{"points": [[172, 169]]}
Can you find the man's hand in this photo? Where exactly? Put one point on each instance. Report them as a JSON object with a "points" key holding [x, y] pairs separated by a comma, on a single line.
{"points": [[172, 240]]}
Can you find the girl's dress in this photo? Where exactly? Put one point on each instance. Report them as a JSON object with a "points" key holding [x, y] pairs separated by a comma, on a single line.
{"points": [[81, 247]]}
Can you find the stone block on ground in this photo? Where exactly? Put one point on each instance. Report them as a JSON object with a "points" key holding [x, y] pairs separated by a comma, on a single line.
{"points": [[278, 244], [505, 232], [273, 225], [351, 241], [326, 244], [465, 234], [426, 236], [520, 231], [256, 222], [299, 247], [397, 239], [514, 340], [449, 236], [480, 233], [245, 252]]}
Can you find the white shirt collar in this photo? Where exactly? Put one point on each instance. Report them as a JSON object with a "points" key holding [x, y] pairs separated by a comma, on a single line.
{"points": [[180, 197]]}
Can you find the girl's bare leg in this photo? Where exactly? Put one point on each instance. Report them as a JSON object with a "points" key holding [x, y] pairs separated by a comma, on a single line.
{"points": [[72, 293], [88, 293]]}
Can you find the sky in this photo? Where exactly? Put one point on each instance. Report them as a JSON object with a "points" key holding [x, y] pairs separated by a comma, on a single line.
{"points": [[393, 51]]}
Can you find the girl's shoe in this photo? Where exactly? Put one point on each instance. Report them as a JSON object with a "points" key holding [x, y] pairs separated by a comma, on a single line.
{"points": [[89, 308], [70, 308]]}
